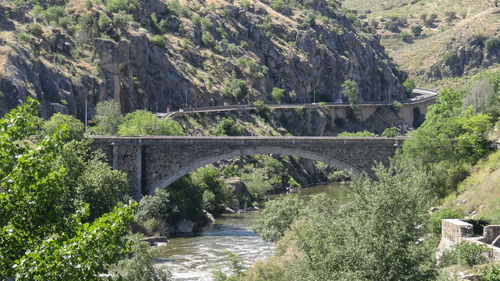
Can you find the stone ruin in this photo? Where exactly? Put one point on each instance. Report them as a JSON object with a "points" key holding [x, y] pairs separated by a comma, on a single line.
{"points": [[455, 231]]}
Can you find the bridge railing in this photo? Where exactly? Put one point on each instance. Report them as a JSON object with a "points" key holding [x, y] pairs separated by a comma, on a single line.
{"points": [[421, 95]]}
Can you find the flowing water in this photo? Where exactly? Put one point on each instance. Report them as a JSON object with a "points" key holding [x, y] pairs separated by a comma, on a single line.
{"points": [[194, 258]]}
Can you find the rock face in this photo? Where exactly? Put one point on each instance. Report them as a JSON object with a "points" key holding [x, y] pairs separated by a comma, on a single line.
{"points": [[460, 57], [264, 48], [185, 226], [239, 189]]}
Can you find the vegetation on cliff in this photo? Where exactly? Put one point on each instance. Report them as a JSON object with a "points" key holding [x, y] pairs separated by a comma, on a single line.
{"points": [[155, 55]]}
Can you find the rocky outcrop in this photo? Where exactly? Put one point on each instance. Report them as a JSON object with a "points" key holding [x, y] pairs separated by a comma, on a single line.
{"points": [[239, 190], [461, 57], [127, 66]]}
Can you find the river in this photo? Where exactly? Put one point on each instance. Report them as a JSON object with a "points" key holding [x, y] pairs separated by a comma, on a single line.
{"points": [[194, 258]]}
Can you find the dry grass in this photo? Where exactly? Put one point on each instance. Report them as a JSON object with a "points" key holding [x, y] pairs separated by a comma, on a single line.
{"points": [[480, 192], [473, 16]]}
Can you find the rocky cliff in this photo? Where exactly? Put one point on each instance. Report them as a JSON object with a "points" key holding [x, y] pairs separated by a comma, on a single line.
{"points": [[156, 55]]}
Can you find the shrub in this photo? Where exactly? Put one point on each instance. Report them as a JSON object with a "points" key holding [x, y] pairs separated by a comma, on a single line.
{"points": [[277, 94], [396, 106], [492, 44], [409, 86], [196, 19], [158, 41], [36, 29], [263, 110], [244, 45], [227, 127], [60, 121], [236, 89], [352, 18], [450, 58], [491, 273], [126, 6], [450, 16], [417, 30], [356, 134], [207, 40], [405, 36], [277, 5], [465, 254], [246, 4], [145, 123], [309, 21], [103, 22], [480, 38], [141, 264], [390, 132]]}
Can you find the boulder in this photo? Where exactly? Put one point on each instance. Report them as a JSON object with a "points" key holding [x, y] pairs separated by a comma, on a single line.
{"points": [[185, 226]]}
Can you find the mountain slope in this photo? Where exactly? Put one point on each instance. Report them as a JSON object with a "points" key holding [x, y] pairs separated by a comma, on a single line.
{"points": [[157, 55]]}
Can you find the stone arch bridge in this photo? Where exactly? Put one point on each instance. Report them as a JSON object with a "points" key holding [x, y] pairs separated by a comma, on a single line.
{"points": [[155, 162]]}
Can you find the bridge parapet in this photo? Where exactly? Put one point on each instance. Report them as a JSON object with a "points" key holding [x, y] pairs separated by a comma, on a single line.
{"points": [[155, 162]]}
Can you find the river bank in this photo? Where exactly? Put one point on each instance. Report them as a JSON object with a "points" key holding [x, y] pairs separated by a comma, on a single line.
{"points": [[195, 257]]}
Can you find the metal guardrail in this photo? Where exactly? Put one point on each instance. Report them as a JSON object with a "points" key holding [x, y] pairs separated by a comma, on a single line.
{"points": [[426, 94]]}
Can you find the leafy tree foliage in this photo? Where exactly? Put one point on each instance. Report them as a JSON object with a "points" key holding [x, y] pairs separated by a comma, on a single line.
{"points": [[141, 266], [68, 122], [257, 183], [351, 91], [145, 123], [215, 192], [451, 139], [236, 89], [356, 134], [108, 118], [277, 216], [227, 127], [375, 236], [277, 94], [409, 85], [39, 238], [180, 200]]}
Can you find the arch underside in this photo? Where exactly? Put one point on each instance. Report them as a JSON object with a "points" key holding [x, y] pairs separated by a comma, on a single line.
{"points": [[201, 162]]}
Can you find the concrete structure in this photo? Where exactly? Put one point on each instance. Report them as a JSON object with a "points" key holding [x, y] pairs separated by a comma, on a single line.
{"points": [[411, 109], [455, 231], [156, 162]]}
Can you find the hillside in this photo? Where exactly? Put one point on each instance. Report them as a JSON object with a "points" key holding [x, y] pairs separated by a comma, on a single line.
{"points": [[156, 55], [433, 40]]}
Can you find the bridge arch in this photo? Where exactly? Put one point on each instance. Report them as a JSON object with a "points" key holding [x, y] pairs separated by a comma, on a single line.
{"points": [[203, 161]]}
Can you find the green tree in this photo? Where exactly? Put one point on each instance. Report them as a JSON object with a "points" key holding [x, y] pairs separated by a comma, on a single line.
{"points": [[409, 85], [215, 192], [262, 109], [236, 89], [100, 186], [108, 118], [277, 217], [145, 123], [257, 183], [390, 132], [277, 94], [180, 200], [227, 127], [374, 236], [60, 121], [351, 91], [450, 139], [52, 243]]}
